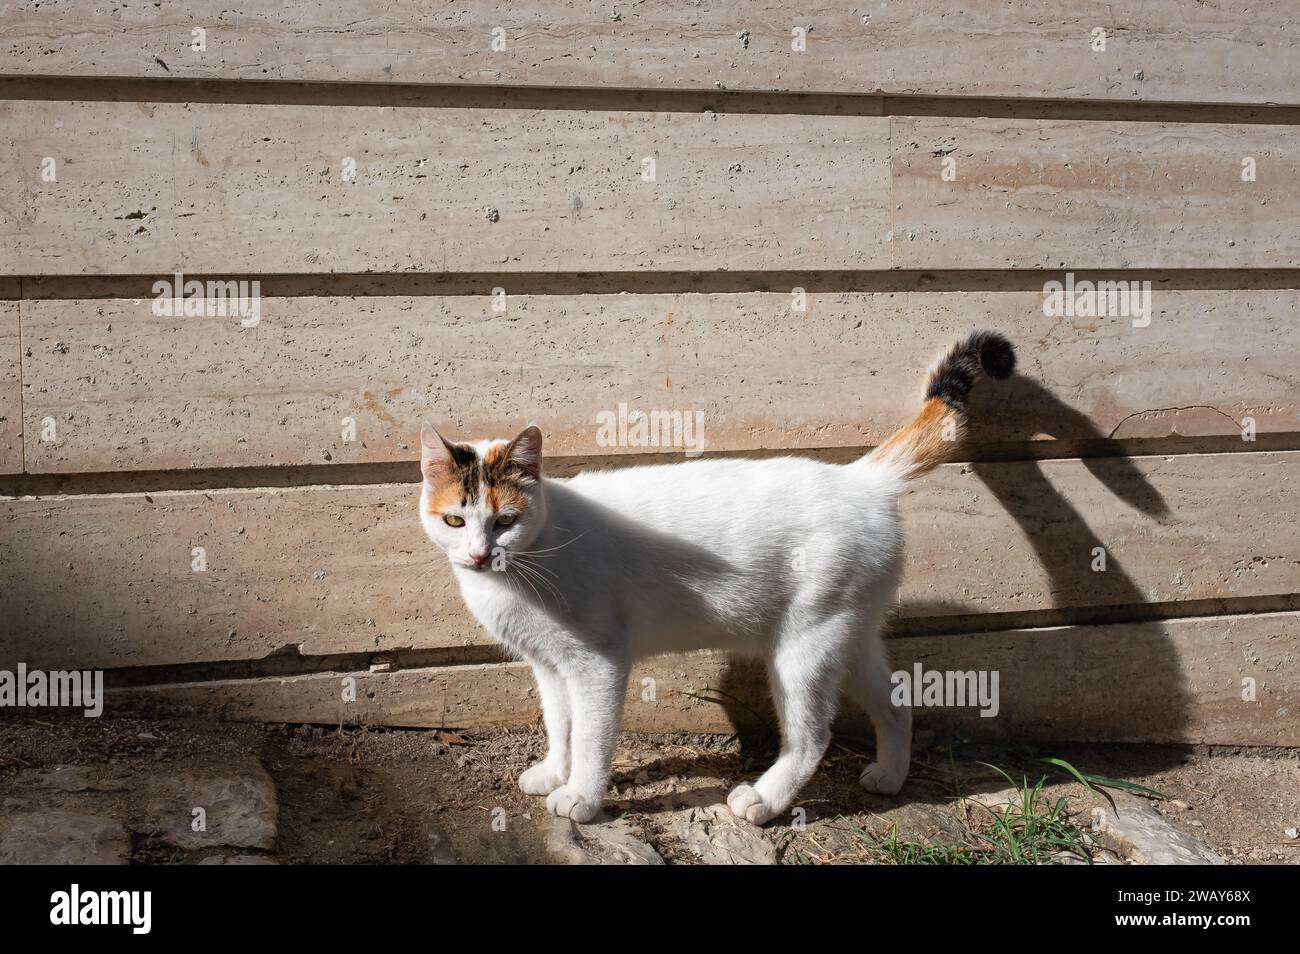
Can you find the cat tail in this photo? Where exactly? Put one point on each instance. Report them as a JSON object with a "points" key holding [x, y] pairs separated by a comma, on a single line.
{"points": [[930, 439]]}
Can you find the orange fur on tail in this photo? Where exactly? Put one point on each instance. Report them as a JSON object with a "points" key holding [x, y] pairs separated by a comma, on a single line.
{"points": [[925, 443], [933, 436]]}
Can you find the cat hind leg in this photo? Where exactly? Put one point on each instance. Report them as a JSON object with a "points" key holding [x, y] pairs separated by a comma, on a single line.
{"points": [[805, 677], [871, 687]]}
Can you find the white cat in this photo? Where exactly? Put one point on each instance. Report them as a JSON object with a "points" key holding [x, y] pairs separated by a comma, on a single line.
{"points": [[790, 560]]}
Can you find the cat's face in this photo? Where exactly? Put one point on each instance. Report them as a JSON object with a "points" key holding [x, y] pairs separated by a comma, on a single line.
{"points": [[480, 502]]}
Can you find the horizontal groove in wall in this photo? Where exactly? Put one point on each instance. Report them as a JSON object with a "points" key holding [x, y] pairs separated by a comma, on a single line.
{"points": [[416, 284], [986, 623], [289, 663], [476, 96], [403, 472], [976, 107]]}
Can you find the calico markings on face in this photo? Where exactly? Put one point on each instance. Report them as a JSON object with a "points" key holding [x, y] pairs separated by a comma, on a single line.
{"points": [[480, 499]]}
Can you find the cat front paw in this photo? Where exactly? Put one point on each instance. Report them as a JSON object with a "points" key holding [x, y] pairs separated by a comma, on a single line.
{"points": [[875, 778], [745, 802], [567, 802], [541, 779]]}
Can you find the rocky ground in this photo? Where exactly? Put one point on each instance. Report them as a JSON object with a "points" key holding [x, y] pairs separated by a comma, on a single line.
{"points": [[186, 792]]}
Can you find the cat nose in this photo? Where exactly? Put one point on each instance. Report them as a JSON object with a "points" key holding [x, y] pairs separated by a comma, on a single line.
{"points": [[478, 558]]}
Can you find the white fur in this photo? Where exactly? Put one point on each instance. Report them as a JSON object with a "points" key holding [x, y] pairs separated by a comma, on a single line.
{"points": [[789, 560]]}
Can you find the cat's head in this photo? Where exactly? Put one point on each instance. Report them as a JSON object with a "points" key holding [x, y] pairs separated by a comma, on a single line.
{"points": [[483, 500]]}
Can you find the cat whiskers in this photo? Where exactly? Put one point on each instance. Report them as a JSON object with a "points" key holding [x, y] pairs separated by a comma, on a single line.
{"points": [[535, 563], [530, 571], [534, 553], [533, 573], [525, 577]]}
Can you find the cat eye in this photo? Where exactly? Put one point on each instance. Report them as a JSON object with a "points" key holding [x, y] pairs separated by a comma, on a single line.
{"points": [[505, 520], [452, 520]]}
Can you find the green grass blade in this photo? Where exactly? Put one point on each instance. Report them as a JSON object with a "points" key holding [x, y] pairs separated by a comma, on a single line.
{"points": [[1099, 783]]}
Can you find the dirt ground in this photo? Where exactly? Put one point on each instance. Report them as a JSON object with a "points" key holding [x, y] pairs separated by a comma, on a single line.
{"points": [[365, 795]]}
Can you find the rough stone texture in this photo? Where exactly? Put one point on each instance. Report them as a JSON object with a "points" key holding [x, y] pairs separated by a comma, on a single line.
{"points": [[1034, 193], [1174, 681], [239, 801], [238, 860], [1019, 179], [1189, 527], [174, 393], [430, 172], [317, 571], [1206, 527], [58, 837], [439, 850], [920, 820], [613, 842], [717, 837], [1160, 51], [11, 414], [1141, 835], [1000, 800], [1099, 858], [76, 780], [513, 845], [71, 811]]}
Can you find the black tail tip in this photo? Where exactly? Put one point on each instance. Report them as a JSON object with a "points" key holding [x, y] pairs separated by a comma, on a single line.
{"points": [[997, 355]]}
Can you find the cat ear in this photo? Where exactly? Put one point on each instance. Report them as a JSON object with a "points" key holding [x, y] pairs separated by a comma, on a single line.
{"points": [[525, 451], [435, 453]]}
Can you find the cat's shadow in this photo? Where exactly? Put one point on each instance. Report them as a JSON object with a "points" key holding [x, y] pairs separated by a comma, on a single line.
{"points": [[678, 783], [942, 776], [1009, 417]]}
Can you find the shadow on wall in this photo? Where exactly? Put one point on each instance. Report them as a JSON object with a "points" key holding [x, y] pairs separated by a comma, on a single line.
{"points": [[1106, 682]]}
